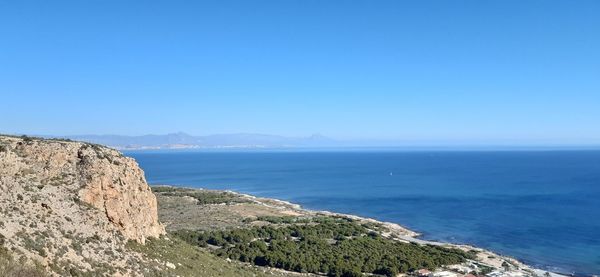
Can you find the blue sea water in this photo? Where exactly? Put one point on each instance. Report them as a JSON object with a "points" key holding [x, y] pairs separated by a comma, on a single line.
{"points": [[542, 207]]}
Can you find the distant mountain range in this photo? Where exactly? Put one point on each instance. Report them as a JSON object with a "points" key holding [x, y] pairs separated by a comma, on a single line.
{"points": [[248, 140], [182, 141]]}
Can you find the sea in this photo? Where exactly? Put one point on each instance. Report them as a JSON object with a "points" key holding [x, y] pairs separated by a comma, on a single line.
{"points": [[541, 207]]}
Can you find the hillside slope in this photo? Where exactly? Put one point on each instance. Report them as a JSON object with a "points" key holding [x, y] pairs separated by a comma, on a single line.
{"points": [[79, 209], [72, 206]]}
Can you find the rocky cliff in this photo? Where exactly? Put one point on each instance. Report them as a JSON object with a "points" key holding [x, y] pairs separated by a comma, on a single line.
{"points": [[73, 205]]}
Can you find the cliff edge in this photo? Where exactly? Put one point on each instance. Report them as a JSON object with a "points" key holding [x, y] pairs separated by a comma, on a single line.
{"points": [[71, 204]]}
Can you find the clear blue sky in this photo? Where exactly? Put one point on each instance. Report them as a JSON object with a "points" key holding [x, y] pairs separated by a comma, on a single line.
{"points": [[443, 70]]}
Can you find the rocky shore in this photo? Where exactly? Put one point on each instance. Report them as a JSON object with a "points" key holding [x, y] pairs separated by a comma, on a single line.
{"points": [[249, 206]]}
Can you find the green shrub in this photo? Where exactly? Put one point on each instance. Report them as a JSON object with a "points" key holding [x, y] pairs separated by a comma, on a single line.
{"points": [[317, 248], [10, 267], [26, 138], [204, 197]]}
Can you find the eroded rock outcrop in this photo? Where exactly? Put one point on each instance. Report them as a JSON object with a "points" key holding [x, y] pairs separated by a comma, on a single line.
{"points": [[73, 205], [116, 185]]}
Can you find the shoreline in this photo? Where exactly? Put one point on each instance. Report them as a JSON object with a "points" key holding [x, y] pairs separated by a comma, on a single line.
{"points": [[398, 232], [408, 235]]}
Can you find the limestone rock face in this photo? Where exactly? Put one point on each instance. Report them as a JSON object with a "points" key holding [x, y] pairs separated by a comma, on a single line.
{"points": [[73, 207], [85, 173], [116, 185]]}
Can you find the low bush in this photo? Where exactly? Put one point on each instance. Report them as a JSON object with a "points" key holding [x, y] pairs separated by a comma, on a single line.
{"points": [[204, 197], [326, 245], [10, 267]]}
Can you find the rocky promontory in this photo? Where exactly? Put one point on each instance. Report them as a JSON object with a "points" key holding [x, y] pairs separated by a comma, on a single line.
{"points": [[72, 206]]}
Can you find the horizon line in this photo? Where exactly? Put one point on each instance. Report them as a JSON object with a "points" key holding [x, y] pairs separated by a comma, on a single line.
{"points": [[379, 142]]}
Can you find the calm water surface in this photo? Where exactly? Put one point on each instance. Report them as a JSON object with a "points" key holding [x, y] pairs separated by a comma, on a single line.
{"points": [[541, 207]]}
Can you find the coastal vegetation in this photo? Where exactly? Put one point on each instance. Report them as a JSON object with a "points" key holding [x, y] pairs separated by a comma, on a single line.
{"points": [[324, 245], [183, 259], [203, 197], [16, 268]]}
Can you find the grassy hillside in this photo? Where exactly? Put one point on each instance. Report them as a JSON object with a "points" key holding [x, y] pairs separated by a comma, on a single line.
{"points": [[183, 259], [10, 267]]}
